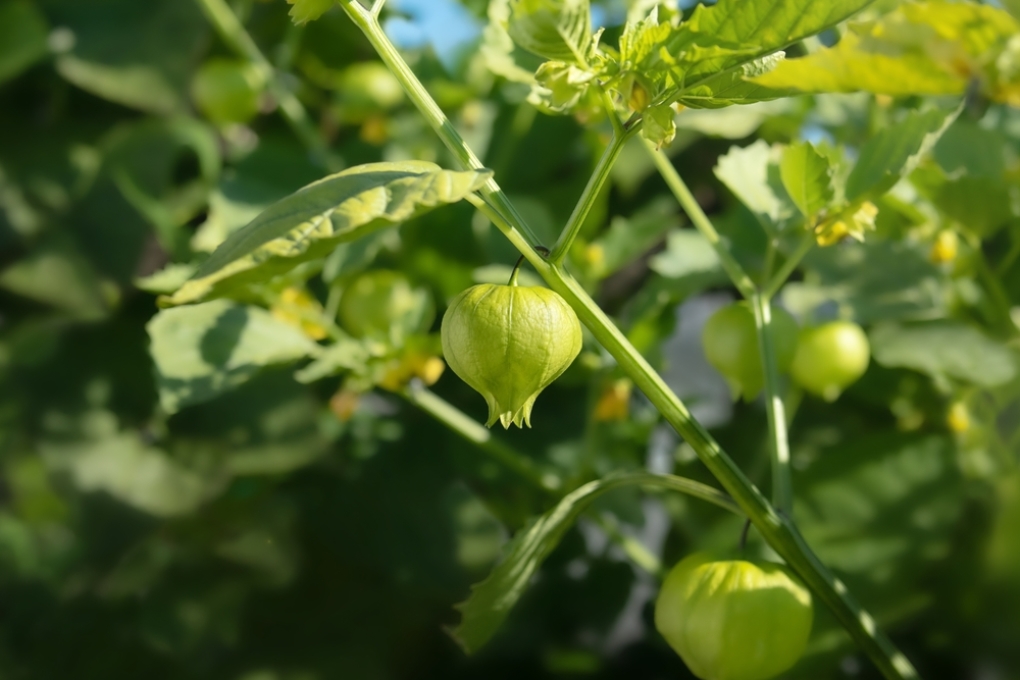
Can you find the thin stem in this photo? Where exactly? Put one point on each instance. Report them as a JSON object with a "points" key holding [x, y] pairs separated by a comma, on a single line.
{"points": [[477, 433], [588, 197], [232, 32], [676, 184], [434, 116], [777, 530], [776, 282], [377, 6], [779, 446], [636, 551]]}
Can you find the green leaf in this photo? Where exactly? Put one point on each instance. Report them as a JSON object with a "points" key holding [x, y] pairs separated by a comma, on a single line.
{"points": [[868, 282], [57, 274], [807, 178], [944, 350], [99, 456], [629, 237], [731, 33], [346, 354], [659, 125], [203, 350], [896, 151], [881, 508], [492, 599], [752, 173], [304, 11], [918, 48], [311, 222], [23, 33], [687, 252], [554, 29], [733, 86], [141, 59]]}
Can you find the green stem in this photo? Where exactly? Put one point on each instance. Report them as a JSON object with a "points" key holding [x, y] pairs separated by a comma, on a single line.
{"points": [[477, 433], [232, 32], [779, 446], [676, 184], [780, 277], [588, 197], [429, 109], [778, 530]]}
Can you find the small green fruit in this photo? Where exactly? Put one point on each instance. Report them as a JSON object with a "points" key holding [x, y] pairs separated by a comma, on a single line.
{"points": [[730, 342], [734, 620], [385, 305], [830, 358], [509, 343], [228, 90]]}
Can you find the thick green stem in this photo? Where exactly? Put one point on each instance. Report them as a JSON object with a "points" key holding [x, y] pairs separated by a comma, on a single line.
{"points": [[778, 530], [429, 109], [588, 197], [701, 222], [779, 446], [232, 32], [477, 433]]}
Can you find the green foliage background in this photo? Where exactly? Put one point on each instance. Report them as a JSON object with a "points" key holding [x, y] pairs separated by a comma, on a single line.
{"points": [[233, 520]]}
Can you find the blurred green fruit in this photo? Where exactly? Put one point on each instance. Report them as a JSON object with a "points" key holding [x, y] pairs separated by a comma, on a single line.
{"points": [[732, 619]]}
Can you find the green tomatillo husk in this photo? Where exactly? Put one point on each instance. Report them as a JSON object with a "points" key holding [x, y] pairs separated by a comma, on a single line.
{"points": [[509, 343]]}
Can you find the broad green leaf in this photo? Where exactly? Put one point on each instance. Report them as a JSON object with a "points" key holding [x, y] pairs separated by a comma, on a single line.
{"points": [[944, 350], [752, 174], [139, 59], [304, 11], [896, 151], [807, 178], [203, 350], [733, 86], [880, 508], [23, 34], [869, 282], [57, 274], [101, 457], [851, 67], [982, 204], [920, 48], [687, 252], [311, 222], [554, 29], [734, 32], [492, 599]]}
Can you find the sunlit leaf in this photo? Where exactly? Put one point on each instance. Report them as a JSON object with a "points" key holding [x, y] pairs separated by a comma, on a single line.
{"points": [[309, 223], [944, 350], [807, 178], [203, 350], [895, 151], [554, 29]]}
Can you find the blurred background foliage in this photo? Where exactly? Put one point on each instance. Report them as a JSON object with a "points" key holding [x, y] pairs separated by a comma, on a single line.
{"points": [[262, 524]]}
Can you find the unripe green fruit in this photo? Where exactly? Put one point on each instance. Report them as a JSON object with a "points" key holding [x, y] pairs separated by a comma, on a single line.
{"points": [[228, 90], [734, 620], [509, 343], [830, 358], [730, 342], [384, 304]]}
